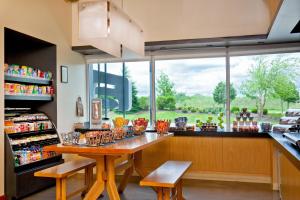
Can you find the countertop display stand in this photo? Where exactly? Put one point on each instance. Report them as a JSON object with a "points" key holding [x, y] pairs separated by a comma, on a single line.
{"points": [[25, 50]]}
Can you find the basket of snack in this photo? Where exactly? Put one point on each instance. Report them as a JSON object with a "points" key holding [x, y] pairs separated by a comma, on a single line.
{"points": [[162, 126], [119, 133], [94, 138]]}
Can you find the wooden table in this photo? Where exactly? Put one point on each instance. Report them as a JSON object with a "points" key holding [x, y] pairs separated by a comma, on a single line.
{"points": [[105, 157]]}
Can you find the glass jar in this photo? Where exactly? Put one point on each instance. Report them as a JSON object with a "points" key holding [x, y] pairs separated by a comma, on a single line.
{"points": [[106, 123]]}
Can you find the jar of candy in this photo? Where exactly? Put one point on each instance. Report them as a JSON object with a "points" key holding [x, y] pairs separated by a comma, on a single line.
{"points": [[106, 123]]}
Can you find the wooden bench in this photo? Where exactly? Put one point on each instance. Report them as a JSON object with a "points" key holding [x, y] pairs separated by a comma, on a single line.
{"points": [[63, 171], [167, 179]]}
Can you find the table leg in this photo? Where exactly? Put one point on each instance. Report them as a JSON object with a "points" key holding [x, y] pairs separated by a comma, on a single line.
{"points": [[166, 193], [138, 164], [99, 184], [111, 181], [126, 176], [179, 190], [58, 189]]}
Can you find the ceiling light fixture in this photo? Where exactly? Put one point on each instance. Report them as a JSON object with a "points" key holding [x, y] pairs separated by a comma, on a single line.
{"points": [[107, 27]]}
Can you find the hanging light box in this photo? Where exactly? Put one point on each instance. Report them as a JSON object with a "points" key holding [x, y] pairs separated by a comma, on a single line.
{"points": [[105, 26]]}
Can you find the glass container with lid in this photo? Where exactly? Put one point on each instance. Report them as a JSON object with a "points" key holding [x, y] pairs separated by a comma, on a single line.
{"points": [[106, 123]]}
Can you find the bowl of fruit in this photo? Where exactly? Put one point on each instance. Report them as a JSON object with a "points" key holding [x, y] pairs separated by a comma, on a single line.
{"points": [[119, 122], [162, 126], [139, 125]]}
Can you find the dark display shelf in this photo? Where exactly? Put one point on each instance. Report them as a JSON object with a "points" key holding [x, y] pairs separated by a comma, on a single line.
{"points": [[36, 163], [31, 133], [10, 78], [28, 98]]}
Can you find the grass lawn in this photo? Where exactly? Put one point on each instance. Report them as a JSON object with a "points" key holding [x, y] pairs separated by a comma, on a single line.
{"points": [[272, 117]]}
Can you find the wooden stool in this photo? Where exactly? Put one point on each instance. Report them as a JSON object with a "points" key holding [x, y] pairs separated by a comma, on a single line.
{"points": [[167, 179], [63, 171]]}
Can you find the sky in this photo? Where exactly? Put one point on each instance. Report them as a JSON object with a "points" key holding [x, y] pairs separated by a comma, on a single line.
{"points": [[191, 76]]}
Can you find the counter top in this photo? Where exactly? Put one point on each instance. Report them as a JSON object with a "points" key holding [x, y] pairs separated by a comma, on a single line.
{"points": [[220, 134], [291, 151], [197, 133]]}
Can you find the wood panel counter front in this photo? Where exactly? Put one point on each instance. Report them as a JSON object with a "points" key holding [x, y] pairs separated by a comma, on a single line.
{"points": [[246, 159], [105, 157]]}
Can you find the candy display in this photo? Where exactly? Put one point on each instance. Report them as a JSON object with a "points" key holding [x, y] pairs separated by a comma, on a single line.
{"points": [[28, 117], [162, 126], [245, 122], [21, 127], [32, 154], [26, 72], [207, 127], [38, 138], [21, 89]]}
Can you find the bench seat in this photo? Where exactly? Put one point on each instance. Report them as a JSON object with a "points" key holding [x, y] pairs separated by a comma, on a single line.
{"points": [[167, 177], [63, 171]]}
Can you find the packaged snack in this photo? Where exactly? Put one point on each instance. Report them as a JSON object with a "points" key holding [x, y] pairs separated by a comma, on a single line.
{"points": [[49, 75], [35, 89], [42, 74], [23, 71], [17, 88], [40, 91], [7, 88], [15, 69], [30, 89], [29, 72], [34, 73]]}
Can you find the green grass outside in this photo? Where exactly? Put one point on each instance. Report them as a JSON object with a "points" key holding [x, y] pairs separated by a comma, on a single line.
{"points": [[202, 102]]}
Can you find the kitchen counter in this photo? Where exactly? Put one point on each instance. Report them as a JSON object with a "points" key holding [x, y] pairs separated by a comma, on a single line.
{"points": [[290, 151]]}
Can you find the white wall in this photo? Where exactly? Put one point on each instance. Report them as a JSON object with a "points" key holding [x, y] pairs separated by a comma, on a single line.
{"points": [[48, 20]]}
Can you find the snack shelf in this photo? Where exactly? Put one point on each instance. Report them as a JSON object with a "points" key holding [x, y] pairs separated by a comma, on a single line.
{"points": [[20, 79], [32, 164], [29, 97], [31, 133], [41, 143]]}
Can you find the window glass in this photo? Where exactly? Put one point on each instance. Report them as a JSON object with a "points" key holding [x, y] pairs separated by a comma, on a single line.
{"points": [[194, 88], [139, 78], [267, 85], [113, 98]]}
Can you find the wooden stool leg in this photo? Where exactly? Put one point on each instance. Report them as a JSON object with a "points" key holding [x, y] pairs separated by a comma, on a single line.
{"points": [[174, 193], [58, 189], [64, 189], [159, 194], [179, 190], [166, 193], [89, 177]]}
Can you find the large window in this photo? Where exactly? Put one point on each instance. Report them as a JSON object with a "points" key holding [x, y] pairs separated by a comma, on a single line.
{"points": [[194, 88], [266, 84], [123, 88]]}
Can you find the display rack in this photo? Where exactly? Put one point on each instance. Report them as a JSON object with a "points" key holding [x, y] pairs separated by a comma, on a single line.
{"points": [[20, 181]]}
